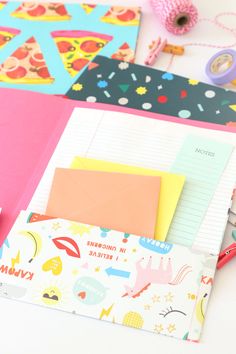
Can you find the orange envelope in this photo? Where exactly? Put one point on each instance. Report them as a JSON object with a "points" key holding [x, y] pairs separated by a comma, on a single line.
{"points": [[117, 201]]}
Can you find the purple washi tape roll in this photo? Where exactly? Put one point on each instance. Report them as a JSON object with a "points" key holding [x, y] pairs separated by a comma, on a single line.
{"points": [[221, 68]]}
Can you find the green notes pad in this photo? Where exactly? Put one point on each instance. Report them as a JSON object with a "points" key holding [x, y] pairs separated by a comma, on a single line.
{"points": [[202, 161]]}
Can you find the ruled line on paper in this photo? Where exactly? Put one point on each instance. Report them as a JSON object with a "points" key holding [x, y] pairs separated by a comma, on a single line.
{"points": [[76, 138], [162, 159], [200, 152]]}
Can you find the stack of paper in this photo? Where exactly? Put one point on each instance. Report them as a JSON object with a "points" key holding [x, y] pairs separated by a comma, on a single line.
{"points": [[114, 176], [170, 191]]}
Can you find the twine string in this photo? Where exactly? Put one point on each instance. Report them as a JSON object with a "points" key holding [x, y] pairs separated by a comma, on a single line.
{"points": [[216, 22]]}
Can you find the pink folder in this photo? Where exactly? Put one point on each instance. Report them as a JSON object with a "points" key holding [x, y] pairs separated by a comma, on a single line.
{"points": [[30, 127], [31, 124]]}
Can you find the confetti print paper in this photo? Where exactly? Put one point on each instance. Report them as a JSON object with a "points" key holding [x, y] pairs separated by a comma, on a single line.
{"points": [[135, 86]]}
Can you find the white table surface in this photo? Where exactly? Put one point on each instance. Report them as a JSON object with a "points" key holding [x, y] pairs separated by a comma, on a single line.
{"points": [[29, 329]]}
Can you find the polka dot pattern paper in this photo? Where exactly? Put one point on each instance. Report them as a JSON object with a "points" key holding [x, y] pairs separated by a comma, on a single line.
{"points": [[143, 88]]}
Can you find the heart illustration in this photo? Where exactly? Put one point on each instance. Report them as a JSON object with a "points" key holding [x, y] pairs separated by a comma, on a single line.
{"points": [[54, 265], [167, 76], [82, 295], [183, 94]]}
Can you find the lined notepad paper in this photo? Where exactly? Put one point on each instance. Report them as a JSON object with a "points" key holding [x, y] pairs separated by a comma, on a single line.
{"points": [[202, 161], [139, 141]]}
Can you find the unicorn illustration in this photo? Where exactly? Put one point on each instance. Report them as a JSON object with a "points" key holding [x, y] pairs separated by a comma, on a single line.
{"points": [[146, 275]]}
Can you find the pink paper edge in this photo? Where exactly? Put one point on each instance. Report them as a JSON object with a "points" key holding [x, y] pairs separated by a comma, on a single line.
{"points": [[80, 33], [10, 30], [199, 124]]}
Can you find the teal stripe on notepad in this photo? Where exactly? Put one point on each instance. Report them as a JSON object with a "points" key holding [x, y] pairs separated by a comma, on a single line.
{"points": [[202, 161]]}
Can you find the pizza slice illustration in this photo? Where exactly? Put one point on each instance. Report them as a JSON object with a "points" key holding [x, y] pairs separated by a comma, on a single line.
{"points": [[41, 11], [88, 8], [78, 48], [2, 4], [123, 16], [26, 65], [6, 35], [124, 53]]}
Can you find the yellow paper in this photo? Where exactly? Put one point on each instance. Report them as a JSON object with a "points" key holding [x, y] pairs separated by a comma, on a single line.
{"points": [[171, 188]]}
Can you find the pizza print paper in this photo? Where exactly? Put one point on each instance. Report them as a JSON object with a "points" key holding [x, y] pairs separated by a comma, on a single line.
{"points": [[44, 11], [26, 65], [43, 21], [118, 15], [6, 35], [2, 4], [101, 273], [78, 48], [88, 8], [151, 90], [124, 53]]}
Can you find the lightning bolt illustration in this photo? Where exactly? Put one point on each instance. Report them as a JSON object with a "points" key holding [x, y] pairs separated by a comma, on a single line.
{"points": [[15, 260], [105, 312]]}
